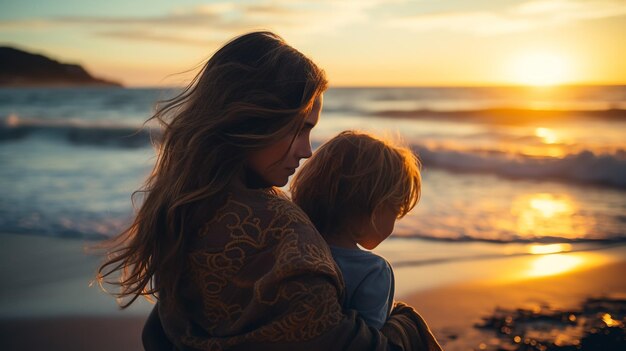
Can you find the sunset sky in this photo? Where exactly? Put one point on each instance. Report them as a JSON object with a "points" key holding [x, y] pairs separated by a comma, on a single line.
{"points": [[358, 42]]}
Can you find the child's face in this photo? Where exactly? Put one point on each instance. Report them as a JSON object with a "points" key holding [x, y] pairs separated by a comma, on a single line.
{"points": [[384, 221]]}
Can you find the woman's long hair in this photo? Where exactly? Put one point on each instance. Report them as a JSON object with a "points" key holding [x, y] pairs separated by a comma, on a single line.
{"points": [[253, 91]]}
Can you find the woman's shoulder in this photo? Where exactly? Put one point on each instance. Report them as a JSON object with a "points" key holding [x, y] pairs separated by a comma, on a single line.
{"points": [[260, 213], [272, 203], [262, 222]]}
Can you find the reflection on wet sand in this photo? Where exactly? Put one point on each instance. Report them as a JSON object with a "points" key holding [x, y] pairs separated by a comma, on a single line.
{"points": [[588, 327], [554, 264], [548, 249]]}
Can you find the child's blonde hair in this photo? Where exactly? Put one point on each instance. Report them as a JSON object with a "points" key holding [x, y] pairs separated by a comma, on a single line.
{"points": [[351, 176]]}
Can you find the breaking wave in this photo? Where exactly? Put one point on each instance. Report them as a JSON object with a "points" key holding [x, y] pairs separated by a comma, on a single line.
{"points": [[585, 166], [99, 133]]}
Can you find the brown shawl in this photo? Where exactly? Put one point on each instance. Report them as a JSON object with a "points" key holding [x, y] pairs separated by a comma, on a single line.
{"points": [[260, 277]]}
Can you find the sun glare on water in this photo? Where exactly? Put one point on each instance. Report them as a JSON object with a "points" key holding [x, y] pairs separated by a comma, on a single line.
{"points": [[547, 135], [539, 69], [548, 206], [548, 215]]}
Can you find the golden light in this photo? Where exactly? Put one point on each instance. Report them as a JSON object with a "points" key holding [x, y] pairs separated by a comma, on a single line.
{"points": [[548, 206], [539, 68], [544, 214], [572, 318], [609, 321], [548, 249], [547, 135], [553, 264]]}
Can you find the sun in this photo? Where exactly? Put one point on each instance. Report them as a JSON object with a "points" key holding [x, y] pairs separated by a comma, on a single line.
{"points": [[539, 69]]}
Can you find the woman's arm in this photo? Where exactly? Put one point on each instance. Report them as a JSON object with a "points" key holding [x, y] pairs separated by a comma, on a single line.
{"points": [[273, 286], [401, 332]]}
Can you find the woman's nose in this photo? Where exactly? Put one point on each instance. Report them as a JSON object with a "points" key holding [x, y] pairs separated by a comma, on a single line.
{"points": [[304, 148]]}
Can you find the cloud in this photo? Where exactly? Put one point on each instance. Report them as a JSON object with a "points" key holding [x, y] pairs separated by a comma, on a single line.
{"points": [[482, 23], [216, 21], [525, 16], [27, 24], [563, 11], [161, 38]]}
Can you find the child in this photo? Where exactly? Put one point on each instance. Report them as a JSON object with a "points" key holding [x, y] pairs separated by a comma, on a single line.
{"points": [[353, 189]]}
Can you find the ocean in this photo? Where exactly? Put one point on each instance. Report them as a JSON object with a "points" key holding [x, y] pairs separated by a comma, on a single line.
{"points": [[500, 164]]}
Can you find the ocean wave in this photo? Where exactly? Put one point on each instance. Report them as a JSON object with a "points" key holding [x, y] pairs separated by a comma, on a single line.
{"points": [[78, 132], [585, 166], [596, 245], [506, 115], [93, 230], [619, 240], [582, 167]]}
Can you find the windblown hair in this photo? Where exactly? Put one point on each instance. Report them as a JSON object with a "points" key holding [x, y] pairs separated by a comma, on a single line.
{"points": [[253, 91], [351, 176]]}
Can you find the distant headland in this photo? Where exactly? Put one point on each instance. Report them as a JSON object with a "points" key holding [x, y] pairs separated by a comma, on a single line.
{"points": [[19, 68]]}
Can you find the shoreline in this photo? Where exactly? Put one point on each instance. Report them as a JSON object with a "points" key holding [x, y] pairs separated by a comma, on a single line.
{"points": [[444, 264], [46, 300]]}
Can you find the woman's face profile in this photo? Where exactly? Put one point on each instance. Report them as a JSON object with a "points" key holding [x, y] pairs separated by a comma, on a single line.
{"points": [[275, 163]]}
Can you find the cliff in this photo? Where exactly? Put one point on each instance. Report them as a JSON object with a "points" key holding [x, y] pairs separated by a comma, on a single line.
{"points": [[21, 68]]}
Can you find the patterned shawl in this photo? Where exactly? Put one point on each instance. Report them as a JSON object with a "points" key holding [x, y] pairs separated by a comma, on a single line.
{"points": [[260, 277]]}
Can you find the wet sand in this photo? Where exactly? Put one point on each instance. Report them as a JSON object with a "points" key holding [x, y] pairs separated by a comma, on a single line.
{"points": [[46, 301], [454, 311], [95, 333]]}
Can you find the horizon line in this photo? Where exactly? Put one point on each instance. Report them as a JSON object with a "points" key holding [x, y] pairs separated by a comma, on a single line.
{"points": [[462, 85]]}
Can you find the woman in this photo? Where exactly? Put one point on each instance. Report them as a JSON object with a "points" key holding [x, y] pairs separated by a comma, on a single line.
{"points": [[233, 263]]}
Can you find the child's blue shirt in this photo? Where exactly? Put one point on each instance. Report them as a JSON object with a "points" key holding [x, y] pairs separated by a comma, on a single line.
{"points": [[369, 283]]}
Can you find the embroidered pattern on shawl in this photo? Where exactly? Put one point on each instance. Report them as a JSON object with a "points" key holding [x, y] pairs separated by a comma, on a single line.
{"points": [[270, 257]]}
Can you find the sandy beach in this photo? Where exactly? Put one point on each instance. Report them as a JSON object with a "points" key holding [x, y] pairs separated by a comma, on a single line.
{"points": [[46, 301], [454, 310]]}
